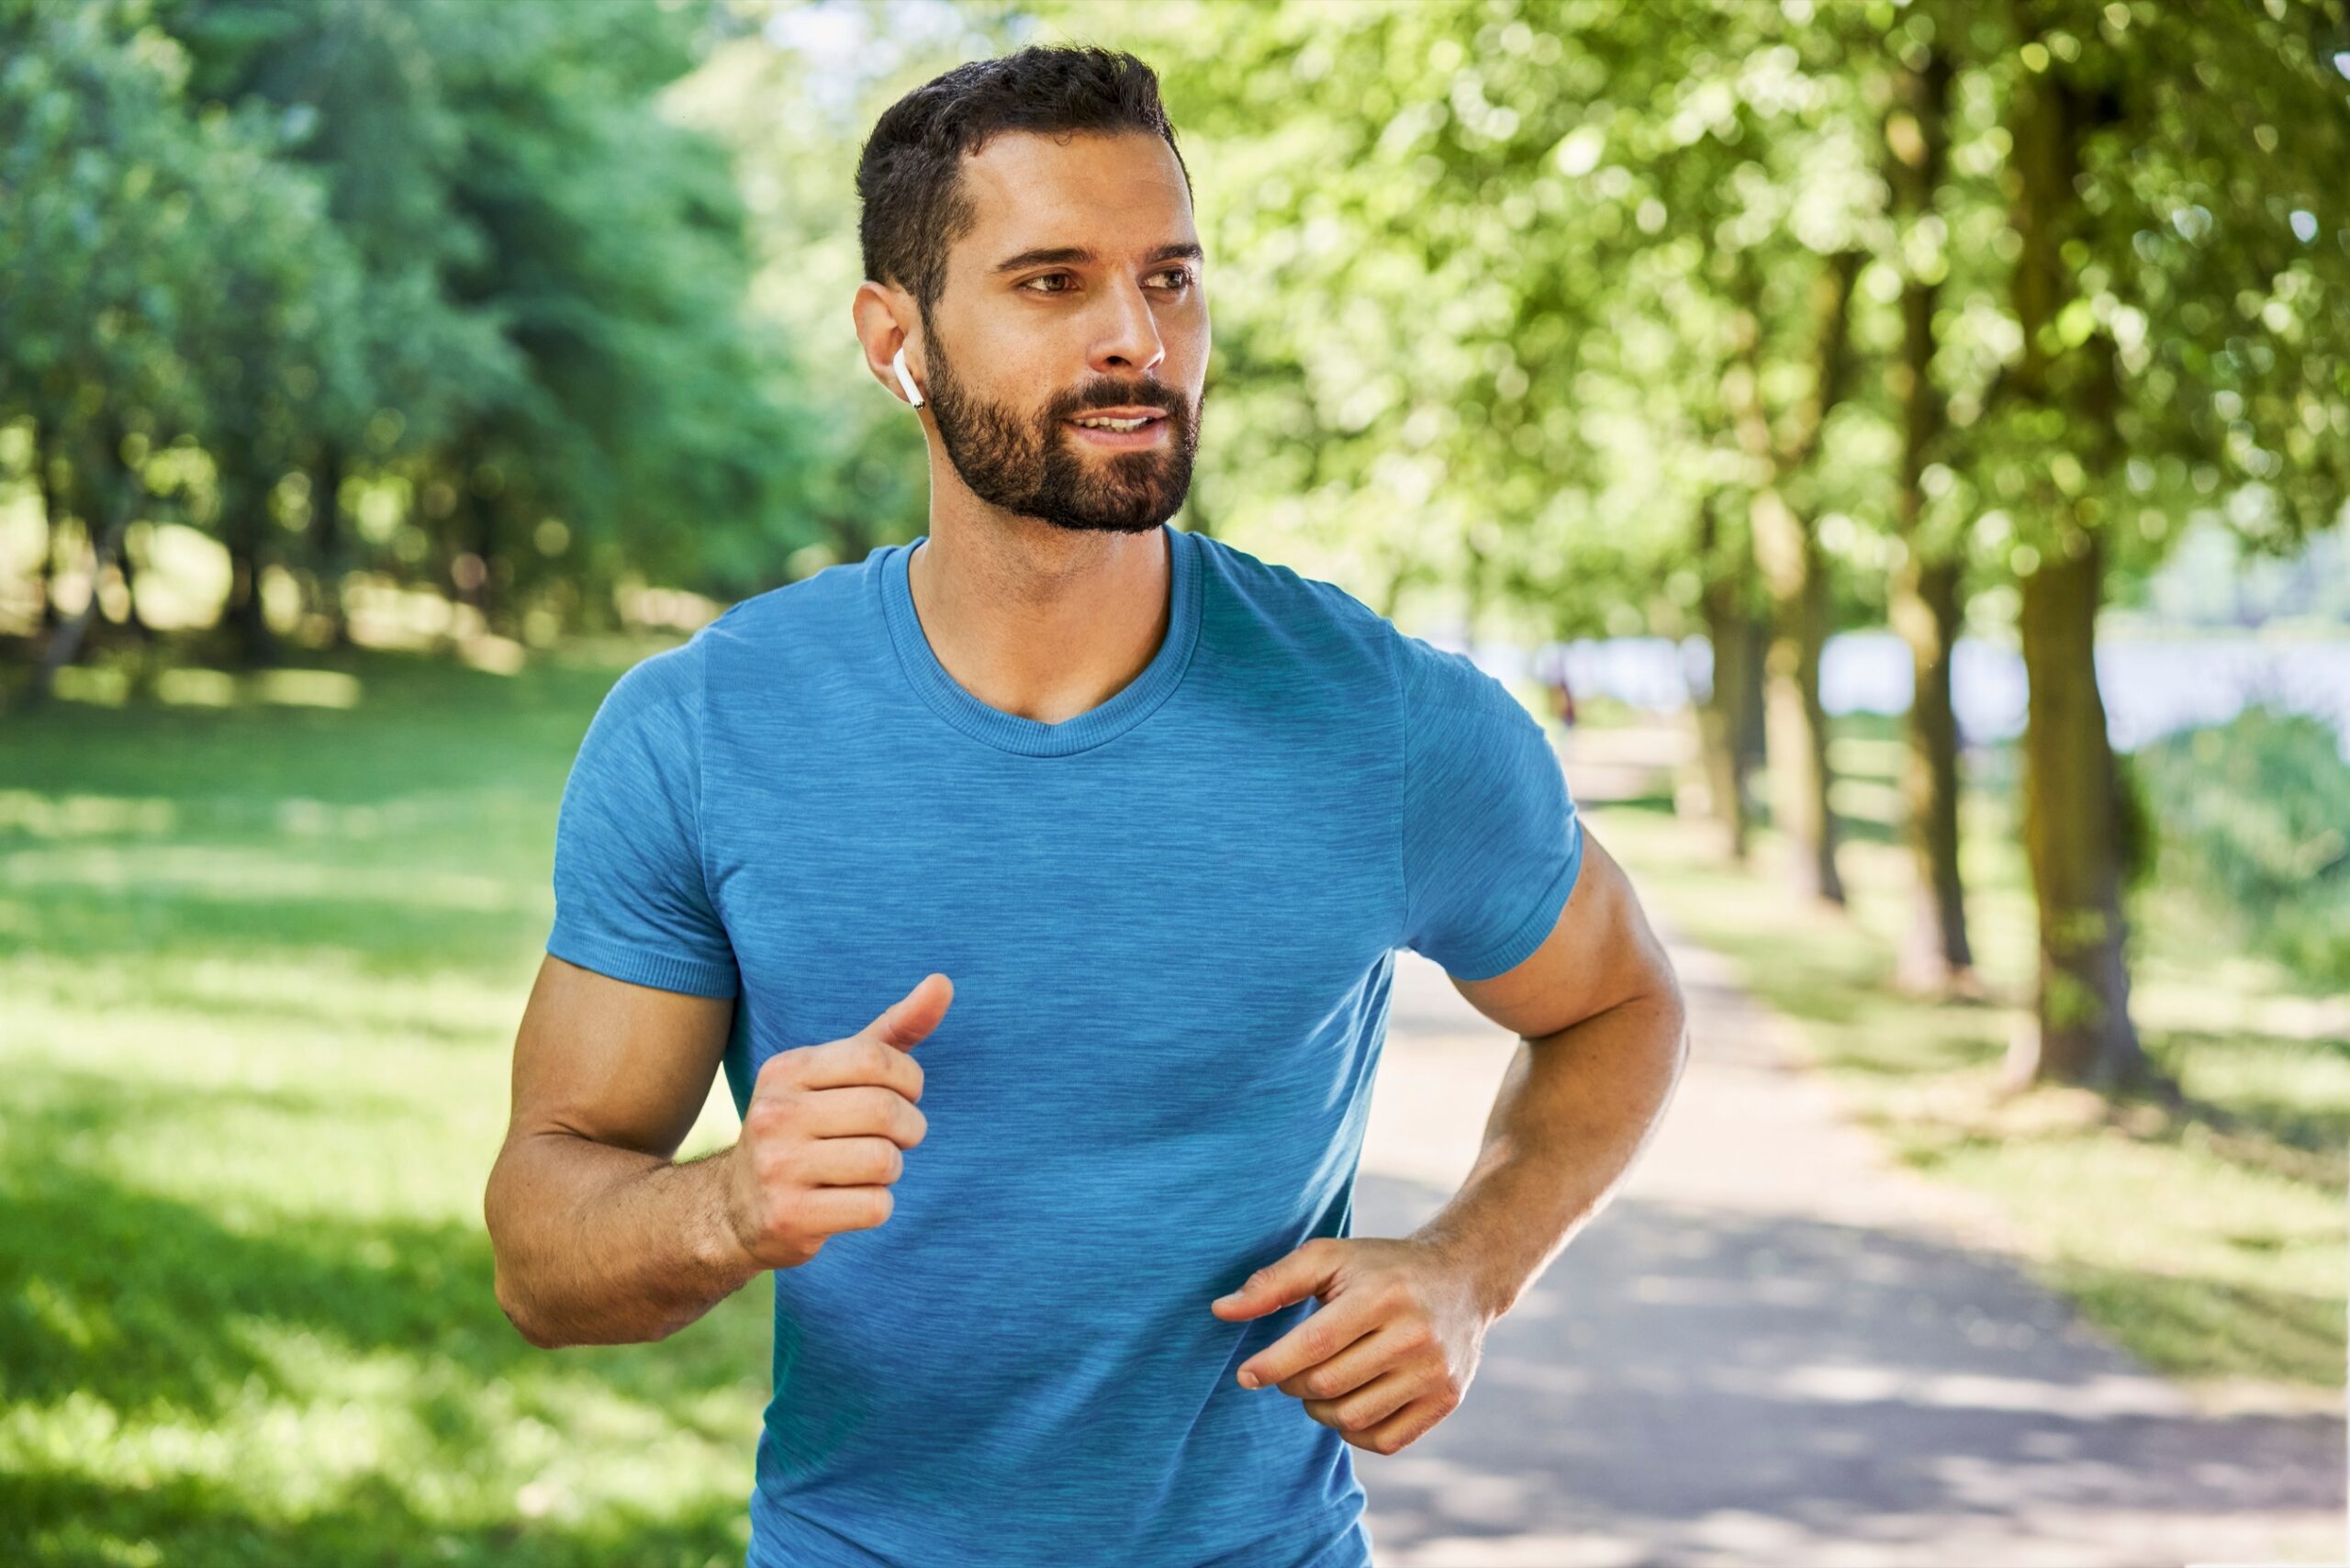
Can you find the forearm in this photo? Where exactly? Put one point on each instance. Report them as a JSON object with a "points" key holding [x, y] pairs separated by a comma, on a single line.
{"points": [[1573, 1110], [597, 1245]]}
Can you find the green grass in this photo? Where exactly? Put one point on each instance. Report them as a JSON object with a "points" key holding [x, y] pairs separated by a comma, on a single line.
{"points": [[2211, 1242], [263, 965]]}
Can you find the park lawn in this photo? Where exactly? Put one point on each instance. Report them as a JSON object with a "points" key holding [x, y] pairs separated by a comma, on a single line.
{"points": [[261, 964], [2209, 1243]]}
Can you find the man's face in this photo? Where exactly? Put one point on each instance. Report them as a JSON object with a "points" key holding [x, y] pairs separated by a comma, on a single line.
{"points": [[1077, 291]]}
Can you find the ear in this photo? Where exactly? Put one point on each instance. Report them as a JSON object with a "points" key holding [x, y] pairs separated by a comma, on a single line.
{"points": [[879, 312]]}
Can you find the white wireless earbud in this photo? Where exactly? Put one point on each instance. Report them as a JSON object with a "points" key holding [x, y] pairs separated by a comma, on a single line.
{"points": [[898, 364]]}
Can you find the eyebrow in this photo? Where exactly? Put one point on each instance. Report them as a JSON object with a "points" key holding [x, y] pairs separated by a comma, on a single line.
{"points": [[1038, 258]]}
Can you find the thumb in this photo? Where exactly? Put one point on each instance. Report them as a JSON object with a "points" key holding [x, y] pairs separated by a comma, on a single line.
{"points": [[907, 1021], [1308, 1272]]}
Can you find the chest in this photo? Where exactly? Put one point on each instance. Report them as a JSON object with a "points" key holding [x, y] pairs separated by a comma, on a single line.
{"points": [[1169, 903]]}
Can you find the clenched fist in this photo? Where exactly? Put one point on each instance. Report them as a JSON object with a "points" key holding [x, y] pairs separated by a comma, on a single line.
{"points": [[825, 1132]]}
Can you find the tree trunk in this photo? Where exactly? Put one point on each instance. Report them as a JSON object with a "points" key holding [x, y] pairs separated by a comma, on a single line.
{"points": [[1926, 606], [1722, 715], [2080, 1030], [130, 617], [1751, 714], [116, 508], [1937, 958], [1792, 566], [2083, 1032], [327, 542], [1796, 720], [241, 523], [53, 517]]}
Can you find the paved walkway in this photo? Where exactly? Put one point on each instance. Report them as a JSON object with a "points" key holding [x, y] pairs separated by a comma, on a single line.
{"points": [[1778, 1348]]}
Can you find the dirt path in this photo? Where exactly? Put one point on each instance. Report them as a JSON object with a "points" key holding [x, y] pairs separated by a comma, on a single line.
{"points": [[1778, 1348]]}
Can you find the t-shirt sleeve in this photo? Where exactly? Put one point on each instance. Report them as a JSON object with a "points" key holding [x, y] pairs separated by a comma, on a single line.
{"points": [[630, 898], [1491, 842]]}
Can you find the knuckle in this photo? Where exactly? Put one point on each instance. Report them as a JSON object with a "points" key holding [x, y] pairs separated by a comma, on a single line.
{"points": [[771, 1162]]}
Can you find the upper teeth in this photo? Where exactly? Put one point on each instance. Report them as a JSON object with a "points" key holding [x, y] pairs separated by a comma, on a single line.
{"points": [[1102, 422]]}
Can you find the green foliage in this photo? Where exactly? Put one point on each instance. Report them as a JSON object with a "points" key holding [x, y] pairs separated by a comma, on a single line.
{"points": [[1507, 293], [2256, 823], [454, 253]]}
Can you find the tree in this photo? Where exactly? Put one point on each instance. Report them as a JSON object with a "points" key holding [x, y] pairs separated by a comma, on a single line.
{"points": [[2179, 279], [1926, 597]]}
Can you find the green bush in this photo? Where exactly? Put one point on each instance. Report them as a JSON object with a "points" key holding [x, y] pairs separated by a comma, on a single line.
{"points": [[2254, 816]]}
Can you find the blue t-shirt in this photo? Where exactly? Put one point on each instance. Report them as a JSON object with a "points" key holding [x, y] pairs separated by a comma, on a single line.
{"points": [[1171, 923]]}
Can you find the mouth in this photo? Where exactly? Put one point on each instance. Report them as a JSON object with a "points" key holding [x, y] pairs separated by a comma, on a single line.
{"points": [[1144, 429]]}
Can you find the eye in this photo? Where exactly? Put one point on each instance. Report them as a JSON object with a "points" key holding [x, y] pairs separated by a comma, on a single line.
{"points": [[1182, 276]]}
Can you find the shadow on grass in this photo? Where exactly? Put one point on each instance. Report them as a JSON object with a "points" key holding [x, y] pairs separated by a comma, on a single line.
{"points": [[143, 1301], [198, 1523], [382, 935], [148, 1303], [2185, 1320]]}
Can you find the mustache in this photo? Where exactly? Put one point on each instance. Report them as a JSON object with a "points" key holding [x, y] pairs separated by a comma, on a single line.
{"points": [[1172, 407]]}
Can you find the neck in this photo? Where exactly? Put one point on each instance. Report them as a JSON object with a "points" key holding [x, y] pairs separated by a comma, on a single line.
{"points": [[1040, 621]]}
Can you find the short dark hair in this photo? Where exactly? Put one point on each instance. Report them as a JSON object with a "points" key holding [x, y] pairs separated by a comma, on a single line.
{"points": [[909, 176]]}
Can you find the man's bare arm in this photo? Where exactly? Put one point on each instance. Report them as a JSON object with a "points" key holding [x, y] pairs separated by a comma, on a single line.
{"points": [[1395, 1343], [1605, 1035], [599, 1238]]}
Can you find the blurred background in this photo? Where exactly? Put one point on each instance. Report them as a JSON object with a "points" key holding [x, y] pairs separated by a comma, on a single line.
{"points": [[1900, 450]]}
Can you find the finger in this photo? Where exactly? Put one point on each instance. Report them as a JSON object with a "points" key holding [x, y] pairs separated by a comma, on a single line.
{"points": [[1322, 1335], [1353, 1366], [1402, 1429], [827, 1211], [857, 1060], [1305, 1272], [1367, 1405], [854, 1162], [864, 1110], [907, 1021]]}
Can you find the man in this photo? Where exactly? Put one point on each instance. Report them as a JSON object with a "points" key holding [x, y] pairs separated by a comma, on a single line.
{"points": [[1037, 886]]}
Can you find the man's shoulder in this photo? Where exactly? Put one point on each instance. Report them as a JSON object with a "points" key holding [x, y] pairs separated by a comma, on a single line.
{"points": [[813, 607], [1281, 605]]}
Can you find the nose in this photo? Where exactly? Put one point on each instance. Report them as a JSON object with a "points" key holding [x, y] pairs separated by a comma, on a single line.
{"points": [[1129, 337]]}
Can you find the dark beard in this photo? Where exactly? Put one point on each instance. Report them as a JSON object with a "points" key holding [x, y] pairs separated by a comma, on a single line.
{"points": [[1029, 465]]}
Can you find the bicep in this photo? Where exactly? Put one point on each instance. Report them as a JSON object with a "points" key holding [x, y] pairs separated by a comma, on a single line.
{"points": [[1600, 953], [619, 1063]]}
